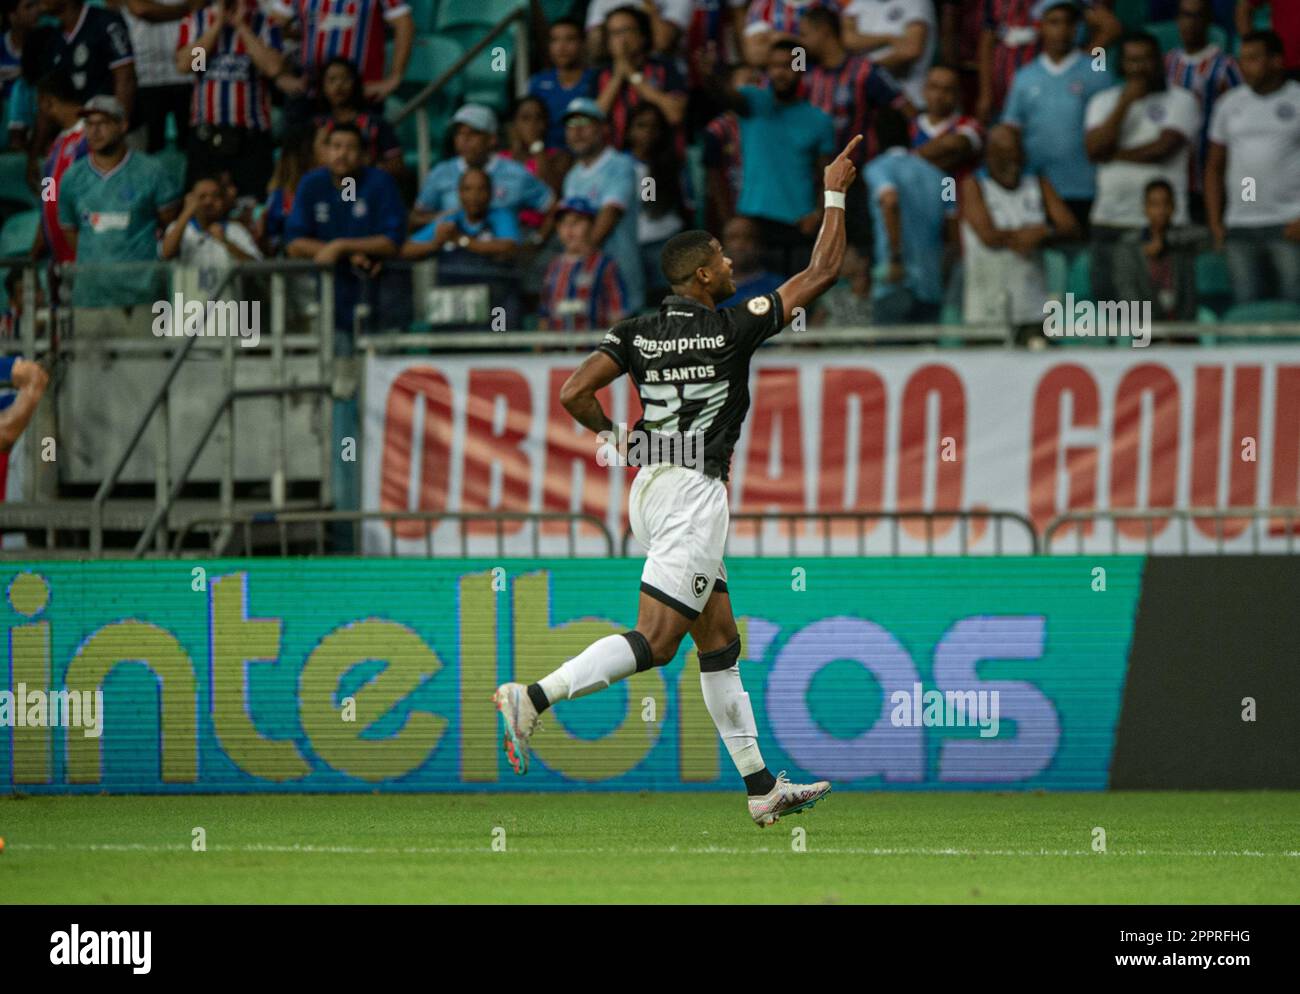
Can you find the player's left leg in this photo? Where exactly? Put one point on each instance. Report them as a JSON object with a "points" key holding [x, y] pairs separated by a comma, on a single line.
{"points": [[718, 642]]}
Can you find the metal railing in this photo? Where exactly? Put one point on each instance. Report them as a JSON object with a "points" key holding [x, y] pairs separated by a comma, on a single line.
{"points": [[283, 520], [895, 518], [1184, 517]]}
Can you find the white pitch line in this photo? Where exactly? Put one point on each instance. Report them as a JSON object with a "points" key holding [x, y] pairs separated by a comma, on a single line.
{"points": [[259, 847]]}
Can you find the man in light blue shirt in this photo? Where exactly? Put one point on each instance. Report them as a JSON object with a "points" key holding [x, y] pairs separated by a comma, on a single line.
{"points": [[1047, 103], [908, 215], [785, 143], [606, 178], [514, 188]]}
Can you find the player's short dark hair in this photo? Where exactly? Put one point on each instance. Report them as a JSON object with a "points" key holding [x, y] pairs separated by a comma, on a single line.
{"points": [[684, 253], [823, 16], [57, 85], [1271, 40], [637, 14], [1159, 184]]}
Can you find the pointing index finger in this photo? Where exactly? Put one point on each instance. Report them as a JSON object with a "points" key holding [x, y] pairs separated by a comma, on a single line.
{"points": [[848, 149]]}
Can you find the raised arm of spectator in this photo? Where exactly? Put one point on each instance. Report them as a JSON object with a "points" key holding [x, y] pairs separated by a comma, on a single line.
{"points": [[1216, 162], [984, 102], [828, 251], [175, 233], [1101, 139], [972, 210], [403, 40], [664, 34], [185, 54], [672, 105], [1104, 28], [30, 379], [1169, 142], [268, 61], [949, 151], [1065, 226], [903, 49]]}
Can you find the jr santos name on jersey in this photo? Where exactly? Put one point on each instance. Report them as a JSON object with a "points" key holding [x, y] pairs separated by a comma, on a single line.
{"points": [[690, 365]]}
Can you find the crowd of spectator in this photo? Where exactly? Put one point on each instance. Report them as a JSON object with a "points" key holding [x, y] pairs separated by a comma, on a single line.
{"points": [[995, 129]]}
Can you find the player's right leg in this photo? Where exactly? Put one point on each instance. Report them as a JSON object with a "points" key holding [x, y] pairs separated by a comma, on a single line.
{"points": [[718, 644], [674, 513]]}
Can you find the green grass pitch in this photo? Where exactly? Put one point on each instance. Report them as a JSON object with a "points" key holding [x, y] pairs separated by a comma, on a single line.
{"points": [[652, 848]]}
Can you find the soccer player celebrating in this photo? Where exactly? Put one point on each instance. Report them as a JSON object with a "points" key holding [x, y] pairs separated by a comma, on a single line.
{"points": [[690, 364]]}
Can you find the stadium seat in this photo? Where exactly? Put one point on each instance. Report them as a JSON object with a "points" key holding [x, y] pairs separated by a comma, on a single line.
{"points": [[174, 162], [1260, 310], [18, 232], [555, 9], [462, 13], [1213, 284], [1132, 14], [431, 56], [1056, 269], [13, 179], [1079, 279], [483, 82], [425, 14]]}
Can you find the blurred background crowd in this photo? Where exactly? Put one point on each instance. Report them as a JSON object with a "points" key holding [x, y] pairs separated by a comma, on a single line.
{"points": [[1016, 152]]}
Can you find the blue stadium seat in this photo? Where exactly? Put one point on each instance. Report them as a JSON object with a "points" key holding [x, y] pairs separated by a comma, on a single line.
{"points": [[18, 232]]}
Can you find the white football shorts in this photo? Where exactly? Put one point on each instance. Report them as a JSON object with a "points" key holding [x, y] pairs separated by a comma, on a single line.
{"points": [[681, 517]]}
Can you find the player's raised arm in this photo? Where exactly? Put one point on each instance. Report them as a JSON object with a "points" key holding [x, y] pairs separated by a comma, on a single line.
{"points": [[828, 252], [578, 395]]}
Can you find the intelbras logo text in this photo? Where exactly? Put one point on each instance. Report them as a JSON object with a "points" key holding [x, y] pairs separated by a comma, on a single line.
{"points": [[78, 948]]}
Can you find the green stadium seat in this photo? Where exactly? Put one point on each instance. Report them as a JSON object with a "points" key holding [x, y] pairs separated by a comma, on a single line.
{"points": [[18, 232], [13, 179], [1260, 310], [431, 56], [555, 9], [1213, 284], [1132, 14], [484, 82], [174, 162], [1079, 279], [425, 15], [476, 13], [1056, 270]]}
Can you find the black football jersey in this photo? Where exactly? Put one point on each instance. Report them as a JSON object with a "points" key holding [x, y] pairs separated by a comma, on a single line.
{"points": [[690, 365]]}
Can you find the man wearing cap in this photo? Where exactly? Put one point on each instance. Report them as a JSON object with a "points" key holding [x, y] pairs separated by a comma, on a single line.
{"points": [[607, 179], [112, 204], [474, 137], [583, 288], [90, 44]]}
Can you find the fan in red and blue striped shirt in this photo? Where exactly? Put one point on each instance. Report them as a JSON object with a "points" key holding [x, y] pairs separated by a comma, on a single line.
{"points": [[1209, 73], [353, 29], [781, 15], [583, 289], [850, 94], [231, 91]]}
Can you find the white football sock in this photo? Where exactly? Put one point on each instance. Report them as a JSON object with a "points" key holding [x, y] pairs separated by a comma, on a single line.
{"points": [[728, 704], [595, 668]]}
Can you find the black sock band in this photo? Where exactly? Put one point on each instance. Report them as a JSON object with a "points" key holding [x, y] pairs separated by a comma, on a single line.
{"points": [[760, 783], [538, 696], [640, 649], [721, 659]]}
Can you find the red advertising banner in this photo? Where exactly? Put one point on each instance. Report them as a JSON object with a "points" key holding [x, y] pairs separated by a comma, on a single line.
{"points": [[1039, 434]]}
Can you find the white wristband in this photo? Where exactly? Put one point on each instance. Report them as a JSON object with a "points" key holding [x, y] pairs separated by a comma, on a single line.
{"points": [[834, 199]]}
